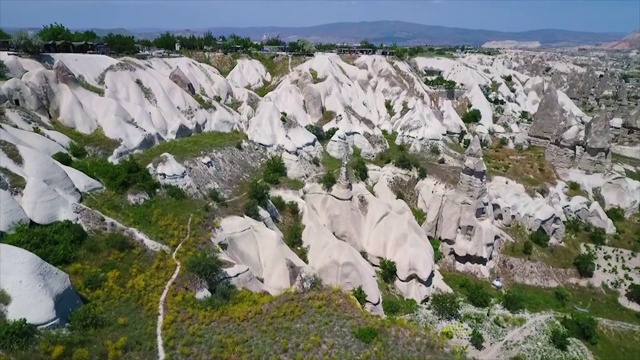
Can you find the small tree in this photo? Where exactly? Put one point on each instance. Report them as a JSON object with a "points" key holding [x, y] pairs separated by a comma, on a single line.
{"points": [[562, 294], [27, 43], [388, 270], [539, 237], [598, 236], [445, 305], [514, 299], [559, 337], [55, 32], [259, 191], [63, 158], [582, 326], [472, 116], [366, 334], [616, 214], [360, 169], [477, 339], [206, 266], [585, 264], [86, 317], [477, 295], [328, 180], [17, 335], [435, 244], [527, 247], [360, 295], [274, 169], [633, 293]]}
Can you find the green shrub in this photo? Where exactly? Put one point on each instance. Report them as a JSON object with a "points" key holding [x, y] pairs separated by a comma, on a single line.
{"points": [[472, 116], [94, 281], [17, 335], [259, 192], [360, 295], [527, 247], [63, 158], [477, 295], [477, 339], [279, 203], [56, 243], [118, 241], [437, 254], [422, 172], [562, 294], [5, 298], [175, 192], [633, 293], [559, 337], [359, 167], [598, 236], [574, 225], [366, 334], [77, 151], [274, 169], [327, 181], [445, 305], [616, 214], [540, 238], [128, 174], [206, 266], [216, 196], [434, 149], [406, 161], [582, 326], [329, 133], [388, 270], [251, 209], [86, 317], [389, 107], [397, 305], [513, 300], [293, 235], [419, 215], [503, 142], [585, 264]]}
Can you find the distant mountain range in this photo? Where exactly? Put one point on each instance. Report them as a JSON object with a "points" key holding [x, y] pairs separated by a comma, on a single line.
{"points": [[388, 32]]}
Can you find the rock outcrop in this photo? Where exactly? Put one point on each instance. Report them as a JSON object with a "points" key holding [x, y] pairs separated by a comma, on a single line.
{"points": [[180, 79], [168, 171], [596, 155], [39, 292], [549, 119]]}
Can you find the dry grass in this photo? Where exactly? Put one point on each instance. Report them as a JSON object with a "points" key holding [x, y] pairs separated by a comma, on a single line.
{"points": [[527, 167], [12, 152]]}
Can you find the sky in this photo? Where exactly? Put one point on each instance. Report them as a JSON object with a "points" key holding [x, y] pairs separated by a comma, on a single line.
{"points": [[504, 15]]}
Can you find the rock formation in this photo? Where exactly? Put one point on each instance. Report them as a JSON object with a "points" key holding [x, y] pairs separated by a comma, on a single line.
{"points": [[178, 77], [39, 292], [549, 118], [596, 154]]}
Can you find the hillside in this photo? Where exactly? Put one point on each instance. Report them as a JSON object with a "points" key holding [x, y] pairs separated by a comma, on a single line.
{"points": [[310, 207]]}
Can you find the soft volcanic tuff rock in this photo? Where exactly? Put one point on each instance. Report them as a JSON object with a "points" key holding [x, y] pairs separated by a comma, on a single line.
{"points": [[597, 155], [549, 118], [178, 77], [463, 217], [39, 292], [168, 171]]}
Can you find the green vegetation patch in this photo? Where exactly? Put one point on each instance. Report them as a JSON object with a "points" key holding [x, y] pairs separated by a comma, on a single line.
{"points": [[96, 141], [302, 325], [527, 167], [194, 145], [121, 284], [12, 152]]}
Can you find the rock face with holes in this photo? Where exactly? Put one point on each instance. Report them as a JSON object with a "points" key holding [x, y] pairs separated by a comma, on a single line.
{"points": [[463, 217], [39, 292]]}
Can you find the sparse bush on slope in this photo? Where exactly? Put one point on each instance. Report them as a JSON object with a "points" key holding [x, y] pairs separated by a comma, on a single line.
{"points": [[274, 169], [388, 270], [17, 335], [585, 264], [206, 266], [445, 305]]}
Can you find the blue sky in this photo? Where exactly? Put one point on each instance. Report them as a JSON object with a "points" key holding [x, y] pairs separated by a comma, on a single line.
{"points": [[600, 16]]}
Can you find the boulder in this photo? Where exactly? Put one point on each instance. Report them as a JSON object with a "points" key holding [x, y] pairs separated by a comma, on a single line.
{"points": [[40, 293], [63, 74], [180, 79]]}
